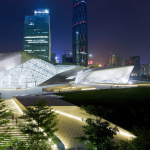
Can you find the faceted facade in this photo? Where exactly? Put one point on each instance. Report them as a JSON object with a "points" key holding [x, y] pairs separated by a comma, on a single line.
{"points": [[37, 39], [117, 75], [79, 33], [30, 74]]}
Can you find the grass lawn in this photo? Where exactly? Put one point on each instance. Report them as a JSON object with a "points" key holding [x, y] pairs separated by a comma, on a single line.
{"points": [[119, 101]]}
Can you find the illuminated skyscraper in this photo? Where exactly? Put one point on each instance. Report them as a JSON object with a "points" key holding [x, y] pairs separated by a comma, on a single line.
{"points": [[37, 37], [79, 32]]}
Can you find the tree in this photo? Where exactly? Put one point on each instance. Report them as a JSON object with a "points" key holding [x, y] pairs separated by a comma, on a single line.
{"points": [[98, 134], [141, 141], [4, 114], [40, 125], [15, 144], [125, 145]]}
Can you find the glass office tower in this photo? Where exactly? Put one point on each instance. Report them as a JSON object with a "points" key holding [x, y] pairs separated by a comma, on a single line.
{"points": [[79, 33], [37, 37]]}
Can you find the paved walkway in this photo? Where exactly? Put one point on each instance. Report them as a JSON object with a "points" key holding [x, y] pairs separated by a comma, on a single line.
{"points": [[11, 105], [9, 93], [68, 128]]}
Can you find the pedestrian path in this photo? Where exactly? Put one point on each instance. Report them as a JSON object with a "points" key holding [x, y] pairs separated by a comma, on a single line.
{"points": [[11, 105]]}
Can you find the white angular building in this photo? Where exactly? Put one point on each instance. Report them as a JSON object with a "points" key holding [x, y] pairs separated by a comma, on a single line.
{"points": [[119, 75], [21, 70]]}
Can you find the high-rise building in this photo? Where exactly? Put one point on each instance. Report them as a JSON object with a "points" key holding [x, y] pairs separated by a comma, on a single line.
{"points": [[79, 33], [37, 37]]}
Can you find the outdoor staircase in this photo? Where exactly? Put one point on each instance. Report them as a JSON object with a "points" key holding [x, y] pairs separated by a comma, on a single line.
{"points": [[15, 133]]}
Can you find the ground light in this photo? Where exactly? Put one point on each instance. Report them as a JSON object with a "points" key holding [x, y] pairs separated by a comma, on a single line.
{"points": [[88, 89]]}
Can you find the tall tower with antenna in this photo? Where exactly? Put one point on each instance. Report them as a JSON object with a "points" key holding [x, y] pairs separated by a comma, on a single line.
{"points": [[79, 32]]}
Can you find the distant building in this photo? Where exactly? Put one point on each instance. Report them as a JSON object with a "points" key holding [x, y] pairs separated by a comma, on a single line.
{"points": [[37, 39], [142, 69], [53, 55], [147, 68], [66, 59], [79, 32], [68, 53], [115, 61], [127, 63], [136, 63]]}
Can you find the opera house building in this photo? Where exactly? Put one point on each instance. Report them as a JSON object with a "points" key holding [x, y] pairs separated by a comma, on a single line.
{"points": [[117, 75], [22, 70]]}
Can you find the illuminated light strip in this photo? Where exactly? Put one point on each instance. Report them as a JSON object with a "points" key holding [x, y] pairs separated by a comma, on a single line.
{"points": [[126, 85], [115, 85], [79, 3], [88, 89], [36, 37], [79, 23], [17, 106], [68, 115], [126, 134]]}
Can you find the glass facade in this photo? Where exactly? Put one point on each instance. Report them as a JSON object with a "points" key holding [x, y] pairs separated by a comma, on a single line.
{"points": [[79, 33], [31, 73], [37, 38]]}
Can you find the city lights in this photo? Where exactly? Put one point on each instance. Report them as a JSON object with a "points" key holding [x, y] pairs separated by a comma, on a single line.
{"points": [[46, 11], [100, 65]]}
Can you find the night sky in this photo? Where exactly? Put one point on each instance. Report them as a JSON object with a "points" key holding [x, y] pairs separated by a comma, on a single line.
{"points": [[119, 26]]}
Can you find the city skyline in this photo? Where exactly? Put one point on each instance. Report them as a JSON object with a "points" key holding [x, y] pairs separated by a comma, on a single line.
{"points": [[121, 27]]}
